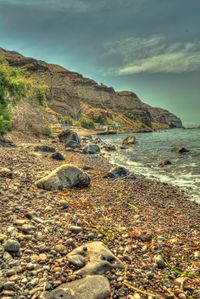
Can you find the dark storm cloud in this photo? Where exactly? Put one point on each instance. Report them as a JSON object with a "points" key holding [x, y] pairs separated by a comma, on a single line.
{"points": [[119, 42]]}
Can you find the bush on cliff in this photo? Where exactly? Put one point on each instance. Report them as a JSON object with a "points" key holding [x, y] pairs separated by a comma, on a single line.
{"points": [[13, 88], [86, 122], [99, 118]]}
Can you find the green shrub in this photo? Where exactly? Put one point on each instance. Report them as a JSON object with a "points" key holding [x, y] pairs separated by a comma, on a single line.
{"points": [[86, 122], [13, 88], [99, 118], [67, 120]]}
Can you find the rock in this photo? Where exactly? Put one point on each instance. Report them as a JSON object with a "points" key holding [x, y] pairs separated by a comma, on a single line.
{"points": [[99, 259], [109, 147], [5, 142], [197, 255], [58, 156], [64, 205], [12, 246], [77, 260], [180, 150], [68, 135], [63, 177], [117, 172], [27, 229], [91, 149], [10, 286], [90, 287], [75, 229], [165, 163], [159, 261], [6, 172], [44, 148], [136, 296], [60, 248], [123, 147], [129, 140], [72, 144]]}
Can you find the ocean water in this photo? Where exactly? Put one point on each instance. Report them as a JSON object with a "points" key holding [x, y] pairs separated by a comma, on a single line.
{"points": [[152, 148]]}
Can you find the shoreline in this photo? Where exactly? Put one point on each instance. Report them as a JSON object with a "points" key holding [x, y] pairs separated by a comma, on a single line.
{"points": [[136, 219]]}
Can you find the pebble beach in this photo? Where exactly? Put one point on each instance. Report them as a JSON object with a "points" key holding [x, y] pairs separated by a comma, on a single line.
{"points": [[151, 227]]}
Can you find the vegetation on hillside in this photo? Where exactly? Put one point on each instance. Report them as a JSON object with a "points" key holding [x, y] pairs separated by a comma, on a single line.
{"points": [[15, 87]]}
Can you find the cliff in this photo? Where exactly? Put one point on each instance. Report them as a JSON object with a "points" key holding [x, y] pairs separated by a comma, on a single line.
{"points": [[70, 93]]}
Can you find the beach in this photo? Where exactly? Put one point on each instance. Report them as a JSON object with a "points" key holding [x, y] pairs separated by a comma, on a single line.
{"points": [[139, 220]]}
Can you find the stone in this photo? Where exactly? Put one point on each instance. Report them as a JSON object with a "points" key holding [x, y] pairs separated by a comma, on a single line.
{"points": [[64, 177], [58, 156], [117, 172], [180, 150], [159, 261], [90, 287], [99, 259], [75, 229], [10, 286], [91, 149], [77, 260], [165, 163], [109, 147], [197, 255], [12, 246], [72, 144], [44, 148], [129, 140], [27, 229], [5, 142], [6, 172], [64, 205], [69, 135]]}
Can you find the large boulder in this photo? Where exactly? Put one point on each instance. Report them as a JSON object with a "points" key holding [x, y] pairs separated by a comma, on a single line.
{"points": [[95, 259], [64, 177], [129, 140], [91, 149], [68, 135], [90, 287]]}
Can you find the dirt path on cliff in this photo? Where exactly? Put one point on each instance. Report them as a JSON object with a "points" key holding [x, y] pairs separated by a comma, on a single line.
{"points": [[136, 219]]}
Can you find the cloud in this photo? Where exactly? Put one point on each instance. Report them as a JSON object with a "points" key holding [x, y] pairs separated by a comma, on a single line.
{"points": [[77, 6], [155, 54]]}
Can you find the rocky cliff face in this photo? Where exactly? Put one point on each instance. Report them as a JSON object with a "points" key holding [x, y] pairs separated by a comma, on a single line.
{"points": [[68, 90]]}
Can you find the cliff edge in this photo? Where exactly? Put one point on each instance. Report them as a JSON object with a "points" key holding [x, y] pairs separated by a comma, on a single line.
{"points": [[70, 93]]}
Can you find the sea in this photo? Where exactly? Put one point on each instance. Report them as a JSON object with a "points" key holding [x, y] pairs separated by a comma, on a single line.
{"points": [[150, 149]]}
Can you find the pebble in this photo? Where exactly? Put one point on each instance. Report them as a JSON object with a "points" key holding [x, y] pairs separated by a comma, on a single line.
{"points": [[159, 261], [12, 246], [10, 286], [182, 296], [75, 229]]}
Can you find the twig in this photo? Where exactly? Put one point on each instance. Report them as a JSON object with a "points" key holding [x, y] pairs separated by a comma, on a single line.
{"points": [[142, 292]]}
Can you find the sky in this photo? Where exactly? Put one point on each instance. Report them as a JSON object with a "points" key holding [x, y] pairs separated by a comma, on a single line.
{"points": [[151, 47]]}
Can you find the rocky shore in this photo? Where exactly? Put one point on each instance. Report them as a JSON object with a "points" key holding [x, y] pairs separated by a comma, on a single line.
{"points": [[114, 237]]}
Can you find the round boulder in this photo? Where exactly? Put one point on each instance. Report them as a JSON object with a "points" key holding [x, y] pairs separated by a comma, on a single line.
{"points": [[64, 177], [68, 135]]}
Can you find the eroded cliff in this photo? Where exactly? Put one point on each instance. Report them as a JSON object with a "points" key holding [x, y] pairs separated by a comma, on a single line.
{"points": [[70, 92]]}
